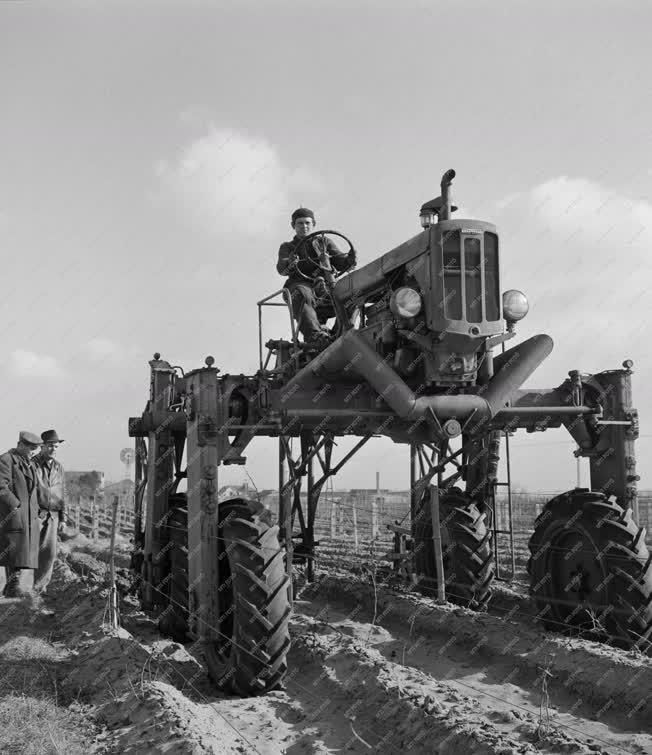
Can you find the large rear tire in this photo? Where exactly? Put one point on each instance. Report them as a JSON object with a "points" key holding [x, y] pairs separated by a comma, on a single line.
{"points": [[466, 544], [590, 570], [250, 656]]}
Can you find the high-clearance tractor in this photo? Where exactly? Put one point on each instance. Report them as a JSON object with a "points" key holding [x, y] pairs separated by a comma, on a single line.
{"points": [[414, 357]]}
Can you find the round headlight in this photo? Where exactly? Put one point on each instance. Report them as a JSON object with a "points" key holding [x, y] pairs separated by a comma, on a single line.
{"points": [[515, 305], [427, 218], [405, 302]]}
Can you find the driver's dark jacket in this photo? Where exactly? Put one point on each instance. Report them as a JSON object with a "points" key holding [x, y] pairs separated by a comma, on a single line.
{"points": [[339, 261]]}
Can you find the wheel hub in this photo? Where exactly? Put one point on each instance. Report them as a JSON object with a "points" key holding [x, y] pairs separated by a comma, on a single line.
{"points": [[580, 583], [577, 570]]}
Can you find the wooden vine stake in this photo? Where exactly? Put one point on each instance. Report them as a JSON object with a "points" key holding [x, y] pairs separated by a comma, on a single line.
{"points": [[436, 538]]}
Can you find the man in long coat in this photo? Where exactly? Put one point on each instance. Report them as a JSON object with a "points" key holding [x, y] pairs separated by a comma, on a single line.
{"points": [[52, 507], [19, 523]]}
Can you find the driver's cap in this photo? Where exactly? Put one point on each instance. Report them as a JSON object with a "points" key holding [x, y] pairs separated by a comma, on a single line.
{"points": [[302, 212]]}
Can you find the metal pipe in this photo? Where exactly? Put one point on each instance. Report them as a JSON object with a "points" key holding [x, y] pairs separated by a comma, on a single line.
{"points": [[436, 539], [285, 518], [513, 368], [287, 299], [337, 413], [451, 407], [353, 352], [542, 411], [340, 464], [270, 296], [510, 508], [260, 335], [446, 179], [310, 529], [413, 478]]}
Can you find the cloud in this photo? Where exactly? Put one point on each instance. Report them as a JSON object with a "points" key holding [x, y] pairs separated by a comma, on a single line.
{"points": [[580, 244], [592, 213], [107, 351], [581, 253], [24, 363], [583, 211], [231, 183], [102, 348]]}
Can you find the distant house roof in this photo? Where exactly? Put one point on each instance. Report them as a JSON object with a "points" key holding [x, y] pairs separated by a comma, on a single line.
{"points": [[122, 485], [368, 491], [229, 491], [123, 490]]}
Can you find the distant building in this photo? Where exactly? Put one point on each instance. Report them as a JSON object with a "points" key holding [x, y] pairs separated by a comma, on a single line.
{"points": [[83, 484], [229, 491], [123, 489], [388, 502], [243, 491], [268, 497]]}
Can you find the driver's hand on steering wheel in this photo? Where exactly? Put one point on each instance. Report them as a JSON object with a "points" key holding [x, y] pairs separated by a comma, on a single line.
{"points": [[323, 256], [320, 288], [351, 256], [305, 267], [321, 246]]}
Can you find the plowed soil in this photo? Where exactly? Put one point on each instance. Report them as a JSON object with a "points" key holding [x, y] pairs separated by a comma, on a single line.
{"points": [[371, 669]]}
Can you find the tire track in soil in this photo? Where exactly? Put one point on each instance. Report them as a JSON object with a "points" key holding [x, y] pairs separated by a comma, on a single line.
{"points": [[419, 680], [448, 681], [338, 696], [599, 695], [350, 681]]}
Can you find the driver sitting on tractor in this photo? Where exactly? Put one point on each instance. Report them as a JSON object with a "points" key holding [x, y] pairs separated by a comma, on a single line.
{"points": [[298, 259]]}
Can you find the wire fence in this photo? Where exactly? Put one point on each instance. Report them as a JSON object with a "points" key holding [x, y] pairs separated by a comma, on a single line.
{"points": [[351, 527], [93, 517]]}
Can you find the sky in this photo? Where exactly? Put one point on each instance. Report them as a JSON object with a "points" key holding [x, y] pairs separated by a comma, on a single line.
{"points": [[151, 154]]}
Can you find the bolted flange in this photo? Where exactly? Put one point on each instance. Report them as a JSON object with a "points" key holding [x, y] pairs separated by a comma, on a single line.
{"points": [[452, 428]]}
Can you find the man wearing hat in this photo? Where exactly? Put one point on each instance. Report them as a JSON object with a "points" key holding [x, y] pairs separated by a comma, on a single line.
{"points": [[19, 525], [52, 507], [293, 260]]}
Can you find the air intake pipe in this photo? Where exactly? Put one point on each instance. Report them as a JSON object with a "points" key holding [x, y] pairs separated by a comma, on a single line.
{"points": [[353, 353], [446, 180]]}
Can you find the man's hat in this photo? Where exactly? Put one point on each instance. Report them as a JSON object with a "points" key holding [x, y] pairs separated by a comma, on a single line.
{"points": [[31, 438], [302, 212], [50, 436]]}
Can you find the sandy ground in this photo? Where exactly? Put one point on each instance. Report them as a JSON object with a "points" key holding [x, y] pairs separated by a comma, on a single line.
{"points": [[370, 670]]}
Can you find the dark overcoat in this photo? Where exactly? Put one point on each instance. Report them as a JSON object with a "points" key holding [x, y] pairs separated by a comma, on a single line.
{"points": [[19, 522]]}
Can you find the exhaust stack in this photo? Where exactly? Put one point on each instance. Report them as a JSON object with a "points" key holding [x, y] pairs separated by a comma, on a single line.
{"points": [[446, 180]]}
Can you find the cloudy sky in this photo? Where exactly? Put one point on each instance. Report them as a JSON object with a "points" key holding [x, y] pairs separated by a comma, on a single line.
{"points": [[151, 154]]}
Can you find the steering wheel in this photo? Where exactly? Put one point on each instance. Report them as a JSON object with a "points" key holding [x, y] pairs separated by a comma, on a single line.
{"points": [[318, 254]]}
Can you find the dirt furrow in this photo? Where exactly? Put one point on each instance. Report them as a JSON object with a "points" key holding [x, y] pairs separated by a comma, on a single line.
{"points": [[369, 670], [491, 693], [410, 710], [353, 684], [597, 693]]}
